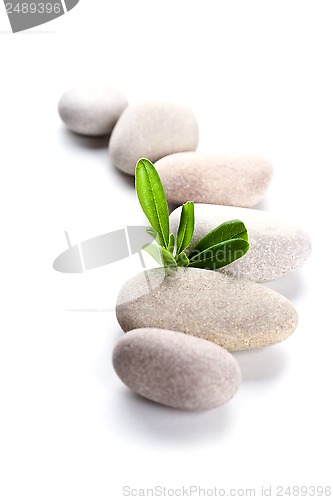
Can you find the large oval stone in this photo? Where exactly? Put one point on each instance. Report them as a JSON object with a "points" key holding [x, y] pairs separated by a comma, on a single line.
{"points": [[277, 246], [152, 129], [224, 179], [176, 369], [234, 313], [91, 110]]}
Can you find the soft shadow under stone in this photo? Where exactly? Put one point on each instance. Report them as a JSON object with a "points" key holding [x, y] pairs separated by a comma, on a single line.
{"points": [[291, 286], [262, 205], [127, 179], [147, 419], [172, 207], [84, 141], [262, 364]]}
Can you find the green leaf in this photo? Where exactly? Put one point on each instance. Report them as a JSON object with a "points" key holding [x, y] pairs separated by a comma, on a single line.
{"points": [[160, 254], [186, 227], [182, 260], [152, 199], [171, 245], [220, 255], [228, 230]]}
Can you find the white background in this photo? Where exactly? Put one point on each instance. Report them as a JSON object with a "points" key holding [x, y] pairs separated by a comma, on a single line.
{"points": [[258, 75]]}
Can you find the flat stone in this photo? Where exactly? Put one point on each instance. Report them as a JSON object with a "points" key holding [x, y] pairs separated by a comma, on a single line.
{"points": [[152, 129], [223, 179], [277, 246], [91, 110], [176, 369], [234, 313]]}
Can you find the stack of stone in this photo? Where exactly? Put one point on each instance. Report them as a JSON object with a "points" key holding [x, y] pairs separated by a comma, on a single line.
{"points": [[182, 326]]}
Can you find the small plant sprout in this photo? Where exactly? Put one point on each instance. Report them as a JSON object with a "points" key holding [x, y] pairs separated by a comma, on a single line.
{"points": [[218, 248]]}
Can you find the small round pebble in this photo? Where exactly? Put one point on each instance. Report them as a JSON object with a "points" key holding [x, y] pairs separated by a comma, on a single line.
{"points": [[91, 110], [277, 246], [152, 129], [235, 313], [223, 179], [176, 369]]}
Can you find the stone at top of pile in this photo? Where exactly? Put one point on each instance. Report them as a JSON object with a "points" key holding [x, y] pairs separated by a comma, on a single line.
{"points": [[91, 110], [166, 132]]}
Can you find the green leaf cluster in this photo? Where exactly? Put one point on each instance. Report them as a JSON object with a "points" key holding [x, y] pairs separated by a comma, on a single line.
{"points": [[218, 248]]}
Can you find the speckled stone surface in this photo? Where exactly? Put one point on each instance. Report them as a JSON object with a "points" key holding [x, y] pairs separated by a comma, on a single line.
{"points": [[277, 246], [234, 313], [152, 129], [176, 369], [225, 179], [91, 110]]}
